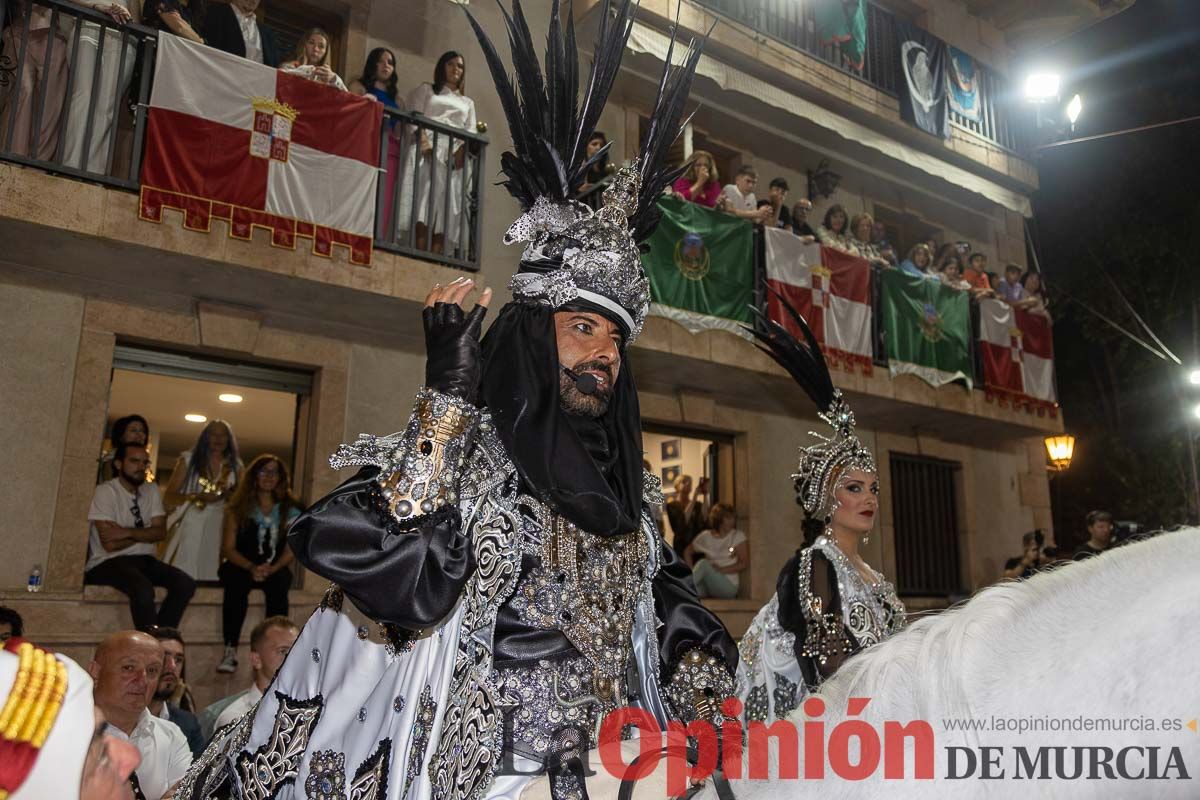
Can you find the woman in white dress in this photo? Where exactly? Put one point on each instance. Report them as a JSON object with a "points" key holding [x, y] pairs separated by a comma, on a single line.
{"points": [[442, 101], [195, 498], [829, 603], [111, 82]]}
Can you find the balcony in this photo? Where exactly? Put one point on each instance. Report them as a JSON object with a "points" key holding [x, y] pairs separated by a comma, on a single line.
{"points": [[794, 23], [94, 129]]}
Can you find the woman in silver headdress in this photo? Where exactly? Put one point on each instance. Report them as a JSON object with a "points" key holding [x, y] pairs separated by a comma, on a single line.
{"points": [[829, 603]]}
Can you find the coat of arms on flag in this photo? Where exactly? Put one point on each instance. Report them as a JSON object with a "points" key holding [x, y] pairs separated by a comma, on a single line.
{"points": [[830, 289], [1017, 350], [259, 148]]}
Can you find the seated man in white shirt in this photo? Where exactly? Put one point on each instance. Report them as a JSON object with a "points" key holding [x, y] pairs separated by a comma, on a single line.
{"points": [[127, 521], [270, 642], [738, 198], [125, 671]]}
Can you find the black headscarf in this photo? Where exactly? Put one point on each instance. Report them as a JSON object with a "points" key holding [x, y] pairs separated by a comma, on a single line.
{"points": [[589, 470]]}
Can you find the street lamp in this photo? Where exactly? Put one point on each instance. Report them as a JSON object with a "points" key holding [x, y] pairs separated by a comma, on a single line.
{"points": [[1060, 449], [1194, 377], [1074, 109], [1042, 87]]}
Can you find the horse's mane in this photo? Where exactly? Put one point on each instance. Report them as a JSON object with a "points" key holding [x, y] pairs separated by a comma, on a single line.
{"points": [[978, 645]]}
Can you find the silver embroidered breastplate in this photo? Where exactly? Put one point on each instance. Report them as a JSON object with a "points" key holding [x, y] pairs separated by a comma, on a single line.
{"points": [[585, 586]]}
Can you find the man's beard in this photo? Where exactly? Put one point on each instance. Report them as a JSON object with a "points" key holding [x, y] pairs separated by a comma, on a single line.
{"points": [[576, 402], [162, 692], [137, 478]]}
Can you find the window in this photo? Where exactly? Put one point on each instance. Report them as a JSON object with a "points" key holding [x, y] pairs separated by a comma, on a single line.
{"points": [[672, 453], [168, 388], [925, 516]]}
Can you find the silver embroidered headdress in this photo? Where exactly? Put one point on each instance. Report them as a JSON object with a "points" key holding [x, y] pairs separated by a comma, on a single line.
{"points": [[573, 253], [830, 456]]}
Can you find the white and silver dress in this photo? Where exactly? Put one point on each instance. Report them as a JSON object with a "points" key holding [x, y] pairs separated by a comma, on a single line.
{"points": [[822, 612]]}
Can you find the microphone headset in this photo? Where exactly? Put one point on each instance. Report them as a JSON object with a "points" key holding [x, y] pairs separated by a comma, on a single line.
{"points": [[585, 383]]}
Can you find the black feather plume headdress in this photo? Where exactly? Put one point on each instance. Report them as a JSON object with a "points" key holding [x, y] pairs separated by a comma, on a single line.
{"points": [[829, 458], [573, 253]]}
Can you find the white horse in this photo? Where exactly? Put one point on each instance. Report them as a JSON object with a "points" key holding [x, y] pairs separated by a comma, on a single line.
{"points": [[1092, 667]]}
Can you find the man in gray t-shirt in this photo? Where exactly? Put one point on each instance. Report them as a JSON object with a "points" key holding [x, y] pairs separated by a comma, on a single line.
{"points": [[127, 520]]}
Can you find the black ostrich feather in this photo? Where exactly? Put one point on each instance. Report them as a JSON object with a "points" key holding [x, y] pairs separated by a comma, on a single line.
{"points": [[803, 360], [549, 125], [666, 123]]}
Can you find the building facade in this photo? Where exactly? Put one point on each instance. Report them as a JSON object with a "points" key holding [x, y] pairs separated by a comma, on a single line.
{"points": [[96, 299]]}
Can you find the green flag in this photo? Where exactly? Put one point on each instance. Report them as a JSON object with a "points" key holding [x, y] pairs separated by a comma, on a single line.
{"points": [[701, 267], [928, 328]]}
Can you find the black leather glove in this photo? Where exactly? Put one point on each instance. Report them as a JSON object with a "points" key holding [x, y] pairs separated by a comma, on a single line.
{"points": [[452, 361]]}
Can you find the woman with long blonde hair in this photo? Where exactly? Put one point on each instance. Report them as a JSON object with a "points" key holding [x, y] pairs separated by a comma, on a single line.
{"points": [[311, 59], [255, 549]]}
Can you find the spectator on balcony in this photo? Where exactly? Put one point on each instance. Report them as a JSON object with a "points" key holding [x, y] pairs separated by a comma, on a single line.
{"points": [[800, 226], [184, 18], [918, 261], [976, 271], [701, 183], [738, 198], [885, 247], [127, 522], [131, 429], [833, 231], [860, 231], [776, 204], [1035, 300], [994, 282], [597, 173], [255, 548], [311, 60], [1011, 290], [949, 269], [443, 162], [234, 28], [720, 552], [202, 480], [44, 70], [111, 85], [379, 82]]}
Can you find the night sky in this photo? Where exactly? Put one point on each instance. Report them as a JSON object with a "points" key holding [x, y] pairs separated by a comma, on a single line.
{"points": [[1129, 206]]}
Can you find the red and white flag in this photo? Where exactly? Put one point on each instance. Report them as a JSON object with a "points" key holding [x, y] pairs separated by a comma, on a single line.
{"points": [[830, 289], [1018, 356], [239, 141]]}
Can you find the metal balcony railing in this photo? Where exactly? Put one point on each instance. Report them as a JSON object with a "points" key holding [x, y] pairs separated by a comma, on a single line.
{"points": [[428, 198], [74, 95], [74, 87], [793, 22]]}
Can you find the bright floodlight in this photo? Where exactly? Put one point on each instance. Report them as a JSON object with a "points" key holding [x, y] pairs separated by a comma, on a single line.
{"points": [[1074, 108], [195, 418], [1194, 377], [1196, 411], [229, 397], [1042, 86]]}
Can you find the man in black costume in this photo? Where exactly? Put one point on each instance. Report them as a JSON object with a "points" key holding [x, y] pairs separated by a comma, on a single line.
{"points": [[501, 547]]}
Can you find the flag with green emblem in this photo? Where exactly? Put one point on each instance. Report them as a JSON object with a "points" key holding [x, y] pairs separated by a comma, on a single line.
{"points": [[701, 267], [928, 328]]}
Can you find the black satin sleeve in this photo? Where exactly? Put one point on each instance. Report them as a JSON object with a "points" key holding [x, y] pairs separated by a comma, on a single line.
{"points": [[794, 615], [408, 577], [688, 625]]}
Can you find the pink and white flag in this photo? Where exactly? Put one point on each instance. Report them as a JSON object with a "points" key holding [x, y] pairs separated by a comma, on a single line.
{"points": [[257, 147], [830, 289]]}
